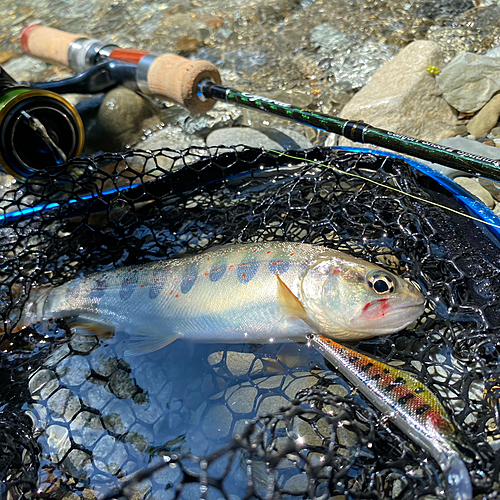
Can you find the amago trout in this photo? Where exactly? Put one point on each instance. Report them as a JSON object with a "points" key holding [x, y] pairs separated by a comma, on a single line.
{"points": [[261, 292]]}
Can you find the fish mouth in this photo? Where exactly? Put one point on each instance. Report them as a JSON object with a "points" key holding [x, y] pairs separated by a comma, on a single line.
{"points": [[385, 316]]}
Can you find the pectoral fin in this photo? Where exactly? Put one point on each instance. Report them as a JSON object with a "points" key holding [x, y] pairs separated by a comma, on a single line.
{"points": [[145, 341], [290, 305]]}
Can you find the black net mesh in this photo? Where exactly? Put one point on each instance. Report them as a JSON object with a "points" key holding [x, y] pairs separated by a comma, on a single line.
{"points": [[244, 421]]}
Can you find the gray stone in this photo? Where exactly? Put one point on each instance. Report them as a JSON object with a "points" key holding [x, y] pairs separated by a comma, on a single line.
{"points": [[86, 429], [95, 396], [217, 422], [240, 363], [482, 123], [84, 343], [58, 355], [43, 384], [404, 98], [73, 370], [120, 117], [243, 400], [122, 385], [63, 405], [118, 417], [472, 185], [492, 186], [298, 384], [79, 464], [109, 455], [102, 363], [58, 442], [297, 485], [272, 404], [469, 81]]}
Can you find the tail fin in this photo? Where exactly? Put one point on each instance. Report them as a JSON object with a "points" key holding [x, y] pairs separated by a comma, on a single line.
{"points": [[457, 478]]}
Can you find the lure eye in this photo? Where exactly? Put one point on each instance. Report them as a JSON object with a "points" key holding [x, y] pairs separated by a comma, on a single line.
{"points": [[381, 283]]}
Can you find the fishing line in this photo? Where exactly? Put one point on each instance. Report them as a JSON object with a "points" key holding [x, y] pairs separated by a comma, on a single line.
{"points": [[386, 186]]}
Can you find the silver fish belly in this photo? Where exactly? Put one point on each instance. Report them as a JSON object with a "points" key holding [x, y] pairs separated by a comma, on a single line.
{"points": [[260, 292]]}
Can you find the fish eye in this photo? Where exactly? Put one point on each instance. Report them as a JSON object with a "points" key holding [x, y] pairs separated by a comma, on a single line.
{"points": [[381, 283]]}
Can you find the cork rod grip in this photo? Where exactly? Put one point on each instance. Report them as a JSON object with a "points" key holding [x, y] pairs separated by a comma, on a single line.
{"points": [[48, 44], [177, 79]]}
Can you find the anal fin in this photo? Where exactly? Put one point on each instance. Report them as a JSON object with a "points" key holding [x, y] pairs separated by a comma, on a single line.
{"points": [[87, 325]]}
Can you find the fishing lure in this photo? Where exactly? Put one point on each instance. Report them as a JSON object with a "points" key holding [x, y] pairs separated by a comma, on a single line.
{"points": [[410, 405], [260, 292]]}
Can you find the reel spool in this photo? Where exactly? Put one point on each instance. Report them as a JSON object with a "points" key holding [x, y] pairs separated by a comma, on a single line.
{"points": [[39, 130]]}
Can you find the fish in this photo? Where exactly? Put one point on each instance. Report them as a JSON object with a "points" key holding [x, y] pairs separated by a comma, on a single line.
{"points": [[259, 292], [409, 405]]}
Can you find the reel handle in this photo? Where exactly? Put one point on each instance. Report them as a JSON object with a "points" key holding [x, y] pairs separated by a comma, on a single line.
{"points": [[167, 75]]}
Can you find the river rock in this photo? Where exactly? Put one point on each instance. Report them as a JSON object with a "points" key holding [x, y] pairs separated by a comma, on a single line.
{"points": [[469, 81], [486, 119], [472, 185], [120, 116], [404, 98]]}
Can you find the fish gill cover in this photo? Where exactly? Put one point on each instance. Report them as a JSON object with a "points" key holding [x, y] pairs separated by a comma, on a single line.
{"points": [[80, 419]]}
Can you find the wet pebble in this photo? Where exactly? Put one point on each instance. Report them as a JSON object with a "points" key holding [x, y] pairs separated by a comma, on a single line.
{"points": [[95, 396], [472, 185], [58, 442], [217, 422], [73, 370], [86, 429], [484, 121], [84, 343], [122, 385], [63, 405], [57, 356], [120, 117], [109, 455], [79, 464], [297, 485], [43, 384], [242, 400], [240, 364], [303, 381], [272, 404], [118, 417]]}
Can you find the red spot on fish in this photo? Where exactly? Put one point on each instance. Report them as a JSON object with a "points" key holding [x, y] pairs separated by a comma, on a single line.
{"points": [[208, 258], [254, 250], [243, 264], [274, 263], [184, 263], [142, 286], [171, 292], [169, 269], [177, 296], [230, 268], [246, 248], [207, 274], [217, 270], [280, 262], [243, 276], [336, 271], [141, 269], [292, 254], [268, 252], [175, 279]]}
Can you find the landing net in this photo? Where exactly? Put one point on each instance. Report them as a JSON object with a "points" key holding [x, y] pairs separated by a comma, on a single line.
{"points": [[80, 420]]}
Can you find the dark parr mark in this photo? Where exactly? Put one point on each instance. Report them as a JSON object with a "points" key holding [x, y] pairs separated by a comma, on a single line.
{"points": [[279, 266], [189, 279], [156, 287], [98, 290], [247, 270], [129, 284], [366, 367], [217, 272]]}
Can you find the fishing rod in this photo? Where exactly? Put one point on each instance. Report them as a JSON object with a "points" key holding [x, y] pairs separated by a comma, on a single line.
{"points": [[196, 85]]}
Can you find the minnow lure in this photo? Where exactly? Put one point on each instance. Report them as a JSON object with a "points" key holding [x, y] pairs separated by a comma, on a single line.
{"points": [[409, 404], [261, 292]]}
